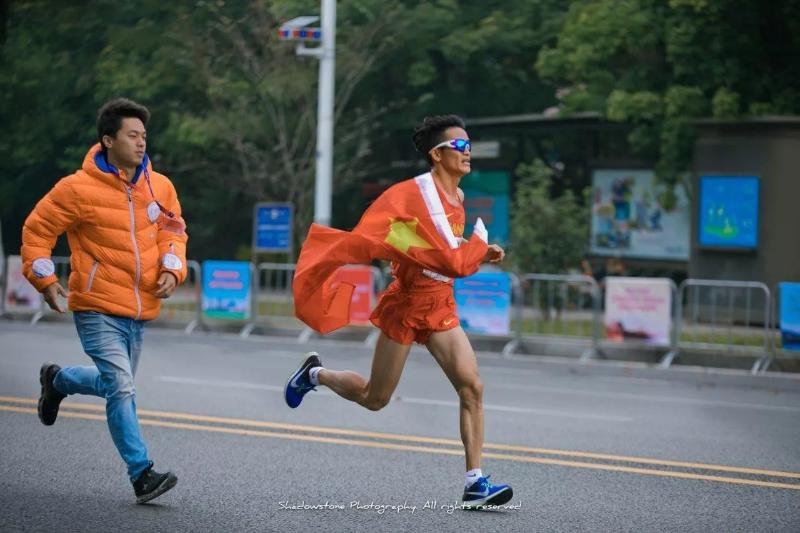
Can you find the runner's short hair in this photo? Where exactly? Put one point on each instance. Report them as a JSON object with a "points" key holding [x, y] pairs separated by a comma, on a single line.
{"points": [[110, 115], [431, 132]]}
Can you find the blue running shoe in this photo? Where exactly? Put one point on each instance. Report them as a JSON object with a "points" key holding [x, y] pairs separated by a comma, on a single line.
{"points": [[482, 493], [299, 382]]}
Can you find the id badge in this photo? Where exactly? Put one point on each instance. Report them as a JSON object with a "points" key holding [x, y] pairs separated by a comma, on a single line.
{"points": [[153, 212]]}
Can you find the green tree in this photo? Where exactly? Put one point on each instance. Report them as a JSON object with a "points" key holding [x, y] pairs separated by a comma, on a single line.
{"points": [[548, 234], [234, 109], [660, 64]]}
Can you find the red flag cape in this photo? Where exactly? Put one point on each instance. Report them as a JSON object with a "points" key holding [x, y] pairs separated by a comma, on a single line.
{"points": [[407, 223]]}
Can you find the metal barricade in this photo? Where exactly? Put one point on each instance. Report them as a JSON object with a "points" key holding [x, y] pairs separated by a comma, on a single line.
{"points": [[272, 298], [557, 306], [185, 304], [730, 315]]}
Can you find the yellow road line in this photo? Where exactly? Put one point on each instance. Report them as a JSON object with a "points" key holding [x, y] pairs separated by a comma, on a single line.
{"points": [[423, 449], [424, 440]]}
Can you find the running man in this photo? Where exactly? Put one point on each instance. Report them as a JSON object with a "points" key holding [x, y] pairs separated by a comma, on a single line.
{"points": [[419, 225], [128, 245]]}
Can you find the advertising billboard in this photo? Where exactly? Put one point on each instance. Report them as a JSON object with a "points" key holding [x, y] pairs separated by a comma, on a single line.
{"points": [[789, 313], [486, 195], [638, 309], [484, 303], [20, 295], [226, 289], [635, 216], [728, 212]]}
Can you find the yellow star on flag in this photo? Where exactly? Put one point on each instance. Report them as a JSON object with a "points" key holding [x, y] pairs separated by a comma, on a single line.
{"points": [[403, 235]]}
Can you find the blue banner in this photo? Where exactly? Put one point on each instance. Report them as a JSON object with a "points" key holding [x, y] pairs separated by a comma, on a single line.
{"points": [[484, 303], [226, 289], [789, 313]]}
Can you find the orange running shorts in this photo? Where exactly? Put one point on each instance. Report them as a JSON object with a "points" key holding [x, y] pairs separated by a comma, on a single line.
{"points": [[407, 317]]}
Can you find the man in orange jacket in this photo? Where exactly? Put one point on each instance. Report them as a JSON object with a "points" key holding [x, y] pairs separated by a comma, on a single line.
{"points": [[128, 250]]}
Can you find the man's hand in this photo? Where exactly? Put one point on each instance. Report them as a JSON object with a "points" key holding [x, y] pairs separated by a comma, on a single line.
{"points": [[51, 294], [166, 284], [494, 254]]}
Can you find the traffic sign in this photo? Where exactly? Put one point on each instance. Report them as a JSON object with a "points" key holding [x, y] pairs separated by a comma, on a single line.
{"points": [[272, 227]]}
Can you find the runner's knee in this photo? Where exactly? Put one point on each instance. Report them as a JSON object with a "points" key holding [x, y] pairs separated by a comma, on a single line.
{"points": [[471, 393], [376, 403]]}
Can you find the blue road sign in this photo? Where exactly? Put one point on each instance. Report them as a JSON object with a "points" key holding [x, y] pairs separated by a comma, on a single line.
{"points": [[272, 227]]}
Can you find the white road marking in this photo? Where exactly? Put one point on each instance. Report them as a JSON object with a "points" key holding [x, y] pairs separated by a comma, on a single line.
{"points": [[402, 399]]}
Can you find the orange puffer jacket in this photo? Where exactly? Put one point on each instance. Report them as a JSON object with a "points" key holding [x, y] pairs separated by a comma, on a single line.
{"points": [[117, 237]]}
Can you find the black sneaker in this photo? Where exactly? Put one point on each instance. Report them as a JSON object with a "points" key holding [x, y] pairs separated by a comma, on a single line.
{"points": [[50, 398], [150, 484]]}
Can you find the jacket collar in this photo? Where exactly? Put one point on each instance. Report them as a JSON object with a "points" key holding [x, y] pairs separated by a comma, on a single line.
{"points": [[95, 163]]}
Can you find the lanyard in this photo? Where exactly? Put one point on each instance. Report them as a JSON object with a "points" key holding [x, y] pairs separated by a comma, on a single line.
{"points": [[163, 209]]}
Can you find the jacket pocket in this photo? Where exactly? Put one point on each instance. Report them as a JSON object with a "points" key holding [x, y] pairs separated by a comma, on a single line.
{"points": [[90, 281]]}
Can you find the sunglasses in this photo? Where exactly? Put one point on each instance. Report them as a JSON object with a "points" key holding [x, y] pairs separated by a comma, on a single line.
{"points": [[459, 145]]}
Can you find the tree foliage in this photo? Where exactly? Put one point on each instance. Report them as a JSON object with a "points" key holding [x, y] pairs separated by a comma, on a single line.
{"points": [[234, 109], [659, 64], [548, 234]]}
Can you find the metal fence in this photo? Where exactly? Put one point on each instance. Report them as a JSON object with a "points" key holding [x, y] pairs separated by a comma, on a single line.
{"points": [[556, 306], [273, 301], [734, 316], [738, 317]]}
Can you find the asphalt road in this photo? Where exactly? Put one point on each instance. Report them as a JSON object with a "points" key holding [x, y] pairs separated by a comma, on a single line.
{"points": [[585, 448]]}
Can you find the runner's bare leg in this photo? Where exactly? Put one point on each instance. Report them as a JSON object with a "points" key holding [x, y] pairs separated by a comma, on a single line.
{"points": [[455, 355], [387, 367]]}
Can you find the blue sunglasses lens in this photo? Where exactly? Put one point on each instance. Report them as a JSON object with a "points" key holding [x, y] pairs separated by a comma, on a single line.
{"points": [[461, 145]]}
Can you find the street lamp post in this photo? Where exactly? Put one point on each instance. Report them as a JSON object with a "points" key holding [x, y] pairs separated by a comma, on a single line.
{"points": [[326, 54]]}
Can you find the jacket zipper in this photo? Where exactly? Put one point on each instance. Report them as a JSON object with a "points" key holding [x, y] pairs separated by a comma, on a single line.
{"points": [[136, 253], [91, 275]]}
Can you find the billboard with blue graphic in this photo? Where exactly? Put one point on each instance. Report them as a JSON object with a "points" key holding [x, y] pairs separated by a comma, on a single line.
{"points": [[486, 195], [728, 211], [789, 312], [226, 289], [634, 215], [484, 303]]}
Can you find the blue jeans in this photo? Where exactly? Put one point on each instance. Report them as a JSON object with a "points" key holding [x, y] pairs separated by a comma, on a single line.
{"points": [[114, 344]]}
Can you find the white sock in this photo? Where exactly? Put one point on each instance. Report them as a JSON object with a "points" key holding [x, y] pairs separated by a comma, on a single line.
{"points": [[472, 476], [313, 375]]}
